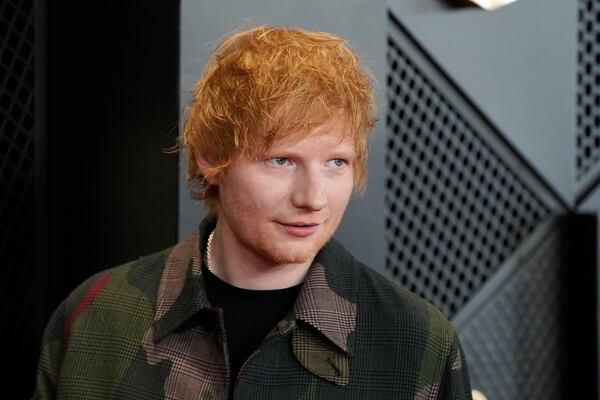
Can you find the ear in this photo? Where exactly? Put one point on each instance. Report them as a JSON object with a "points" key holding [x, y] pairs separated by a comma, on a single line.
{"points": [[205, 163]]}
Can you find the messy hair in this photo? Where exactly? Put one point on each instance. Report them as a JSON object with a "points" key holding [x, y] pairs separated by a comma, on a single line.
{"points": [[267, 83]]}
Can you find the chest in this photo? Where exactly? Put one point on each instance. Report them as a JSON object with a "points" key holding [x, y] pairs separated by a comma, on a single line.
{"points": [[292, 363]]}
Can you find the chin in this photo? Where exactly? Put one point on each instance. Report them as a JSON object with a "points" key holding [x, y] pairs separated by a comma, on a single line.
{"points": [[293, 251], [288, 256]]}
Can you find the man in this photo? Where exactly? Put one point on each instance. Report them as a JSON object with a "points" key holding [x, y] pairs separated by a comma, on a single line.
{"points": [[260, 302]]}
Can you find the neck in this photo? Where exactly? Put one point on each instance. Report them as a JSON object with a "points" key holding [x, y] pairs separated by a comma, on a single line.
{"points": [[239, 266]]}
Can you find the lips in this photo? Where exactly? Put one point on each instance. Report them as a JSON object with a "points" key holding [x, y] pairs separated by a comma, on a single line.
{"points": [[299, 223], [299, 228]]}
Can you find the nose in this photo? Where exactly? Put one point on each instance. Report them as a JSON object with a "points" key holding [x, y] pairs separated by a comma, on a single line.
{"points": [[309, 191]]}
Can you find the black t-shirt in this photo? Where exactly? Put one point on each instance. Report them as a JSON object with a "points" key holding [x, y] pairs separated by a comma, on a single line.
{"points": [[249, 315]]}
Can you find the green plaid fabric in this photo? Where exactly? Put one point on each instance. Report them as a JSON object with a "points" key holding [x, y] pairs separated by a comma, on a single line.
{"points": [[145, 330]]}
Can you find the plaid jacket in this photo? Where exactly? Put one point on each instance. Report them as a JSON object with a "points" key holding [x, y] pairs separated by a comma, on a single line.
{"points": [[145, 330]]}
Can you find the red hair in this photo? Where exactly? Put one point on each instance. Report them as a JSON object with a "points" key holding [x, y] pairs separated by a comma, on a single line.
{"points": [[266, 83]]}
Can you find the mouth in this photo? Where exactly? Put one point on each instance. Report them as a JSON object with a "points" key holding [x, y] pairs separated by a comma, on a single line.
{"points": [[299, 228], [299, 223]]}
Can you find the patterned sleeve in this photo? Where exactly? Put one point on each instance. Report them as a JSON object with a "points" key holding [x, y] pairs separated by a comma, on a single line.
{"points": [[455, 382], [51, 356]]}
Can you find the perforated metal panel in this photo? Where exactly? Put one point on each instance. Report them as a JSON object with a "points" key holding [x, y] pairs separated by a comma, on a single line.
{"points": [[16, 169], [514, 343], [588, 87], [455, 209]]}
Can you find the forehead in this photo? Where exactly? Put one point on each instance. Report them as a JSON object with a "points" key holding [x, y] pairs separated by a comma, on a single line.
{"points": [[330, 136]]}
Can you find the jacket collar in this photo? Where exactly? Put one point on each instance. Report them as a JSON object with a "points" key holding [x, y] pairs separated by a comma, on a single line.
{"points": [[326, 300]]}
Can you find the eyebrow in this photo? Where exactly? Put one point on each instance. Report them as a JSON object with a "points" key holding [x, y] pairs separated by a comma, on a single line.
{"points": [[336, 153], [345, 153]]}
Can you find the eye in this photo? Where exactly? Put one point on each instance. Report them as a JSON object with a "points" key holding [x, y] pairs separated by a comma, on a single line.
{"points": [[338, 162], [279, 161]]}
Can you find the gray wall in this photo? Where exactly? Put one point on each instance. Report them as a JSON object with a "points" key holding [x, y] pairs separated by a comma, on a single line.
{"points": [[518, 64], [362, 22], [507, 78]]}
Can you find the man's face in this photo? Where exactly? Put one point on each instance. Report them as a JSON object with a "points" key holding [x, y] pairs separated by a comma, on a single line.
{"points": [[285, 205]]}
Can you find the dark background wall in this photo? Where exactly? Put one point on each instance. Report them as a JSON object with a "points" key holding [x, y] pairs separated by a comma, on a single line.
{"points": [[89, 103]]}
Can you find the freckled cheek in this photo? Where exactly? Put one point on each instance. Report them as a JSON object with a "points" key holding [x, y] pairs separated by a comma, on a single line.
{"points": [[271, 195], [257, 195]]}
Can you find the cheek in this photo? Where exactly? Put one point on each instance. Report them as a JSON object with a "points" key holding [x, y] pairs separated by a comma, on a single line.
{"points": [[341, 192], [254, 196]]}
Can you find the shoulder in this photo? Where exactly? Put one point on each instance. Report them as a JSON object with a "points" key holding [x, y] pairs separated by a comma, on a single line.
{"points": [[110, 310], [398, 303], [388, 307], [390, 318], [135, 278], [109, 295]]}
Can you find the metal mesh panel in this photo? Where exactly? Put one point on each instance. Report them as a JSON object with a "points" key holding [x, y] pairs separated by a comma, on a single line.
{"points": [[16, 168], [454, 209], [514, 343], [588, 86]]}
